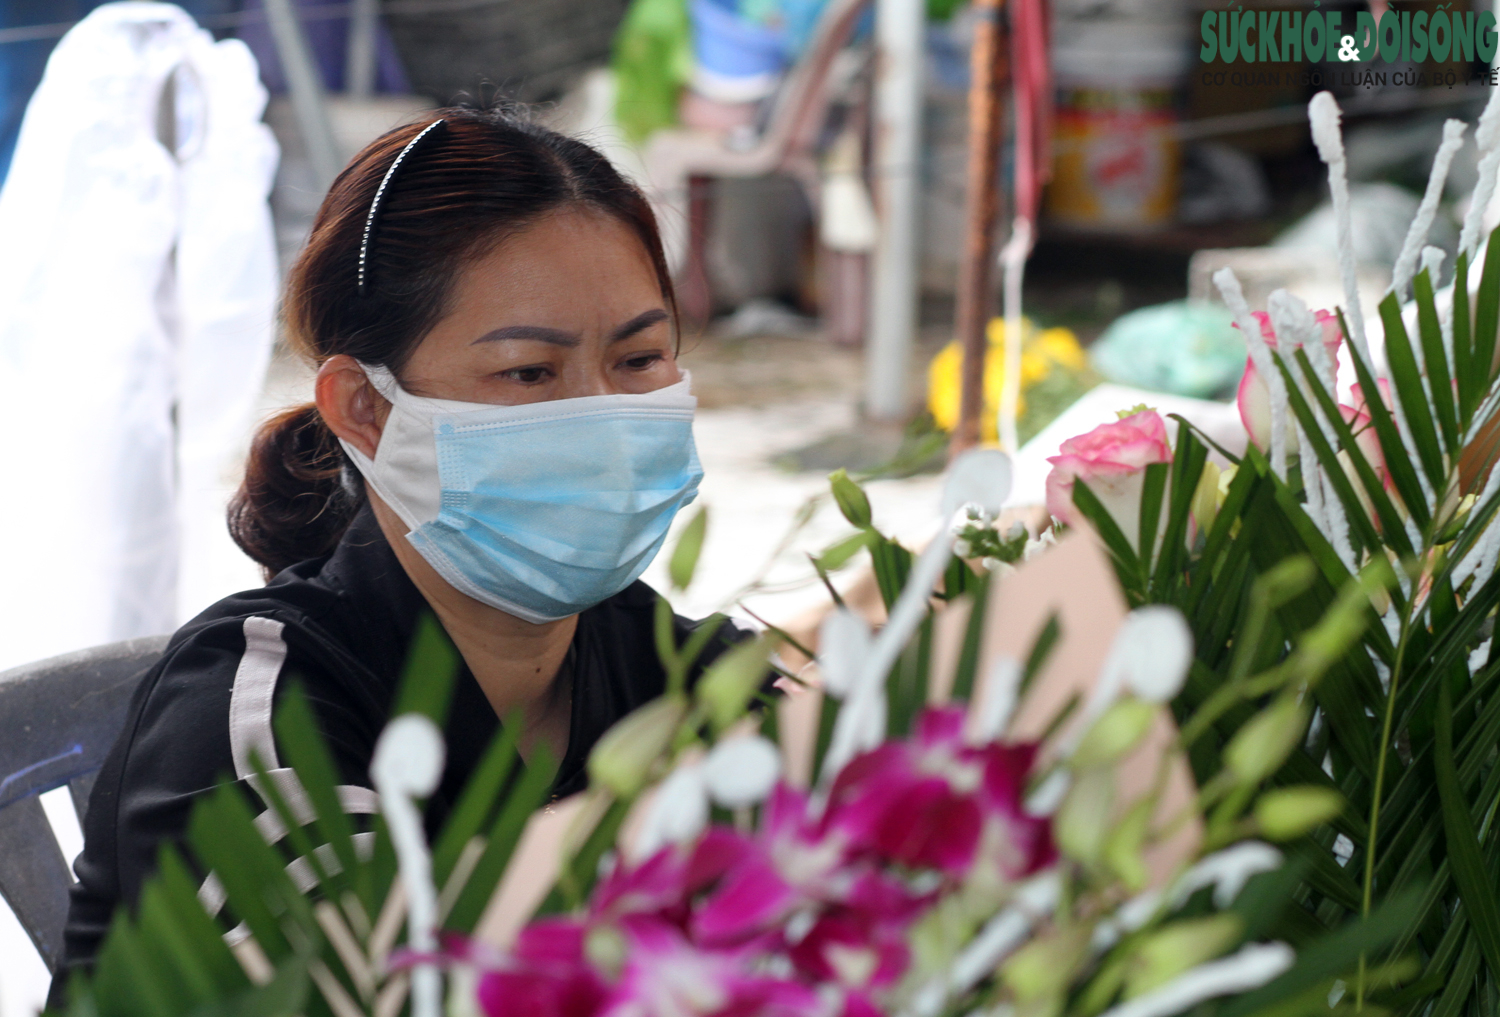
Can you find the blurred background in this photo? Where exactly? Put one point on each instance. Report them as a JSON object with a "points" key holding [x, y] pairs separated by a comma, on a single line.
{"points": [[836, 180]]}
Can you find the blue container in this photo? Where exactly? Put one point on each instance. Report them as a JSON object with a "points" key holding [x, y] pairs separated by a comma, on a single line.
{"points": [[726, 45]]}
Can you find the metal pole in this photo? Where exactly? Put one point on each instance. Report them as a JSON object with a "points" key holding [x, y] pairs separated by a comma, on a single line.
{"points": [[305, 83], [982, 209], [900, 30], [359, 66]]}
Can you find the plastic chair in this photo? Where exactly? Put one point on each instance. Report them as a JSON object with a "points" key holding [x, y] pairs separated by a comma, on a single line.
{"points": [[60, 718], [681, 163]]}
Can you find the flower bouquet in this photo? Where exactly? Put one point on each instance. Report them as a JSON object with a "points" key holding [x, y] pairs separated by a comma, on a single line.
{"points": [[963, 817]]}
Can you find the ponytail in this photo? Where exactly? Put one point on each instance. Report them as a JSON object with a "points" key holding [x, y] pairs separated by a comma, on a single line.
{"points": [[294, 503]]}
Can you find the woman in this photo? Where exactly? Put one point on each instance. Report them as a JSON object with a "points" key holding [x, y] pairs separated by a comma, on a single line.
{"points": [[501, 436]]}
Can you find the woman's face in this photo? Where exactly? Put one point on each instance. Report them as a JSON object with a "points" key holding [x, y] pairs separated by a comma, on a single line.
{"points": [[569, 307]]}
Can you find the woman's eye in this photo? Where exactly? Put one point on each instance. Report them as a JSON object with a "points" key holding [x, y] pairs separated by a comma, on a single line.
{"points": [[526, 375], [645, 360]]}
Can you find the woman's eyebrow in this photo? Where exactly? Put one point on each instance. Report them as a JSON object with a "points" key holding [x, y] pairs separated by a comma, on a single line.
{"points": [[536, 333], [641, 321]]}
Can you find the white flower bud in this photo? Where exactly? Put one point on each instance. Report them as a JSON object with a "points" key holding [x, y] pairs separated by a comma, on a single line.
{"points": [[741, 771]]}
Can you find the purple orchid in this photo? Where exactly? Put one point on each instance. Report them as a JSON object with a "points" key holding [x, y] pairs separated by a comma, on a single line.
{"points": [[792, 863], [926, 802], [546, 975], [666, 976], [845, 948], [658, 886], [808, 916]]}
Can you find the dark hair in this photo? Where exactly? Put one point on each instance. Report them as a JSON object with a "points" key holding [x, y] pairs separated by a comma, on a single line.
{"points": [[486, 176]]}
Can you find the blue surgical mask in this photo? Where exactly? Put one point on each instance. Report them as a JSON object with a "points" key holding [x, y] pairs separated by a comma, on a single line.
{"points": [[540, 510]]}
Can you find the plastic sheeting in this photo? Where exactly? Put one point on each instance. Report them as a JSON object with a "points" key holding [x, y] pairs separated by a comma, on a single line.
{"points": [[137, 289]]}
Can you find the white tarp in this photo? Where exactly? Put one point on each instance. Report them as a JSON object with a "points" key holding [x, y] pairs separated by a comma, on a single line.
{"points": [[137, 294]]}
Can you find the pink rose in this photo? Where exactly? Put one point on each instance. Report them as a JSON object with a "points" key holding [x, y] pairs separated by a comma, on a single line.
{"points": [[1332, 334], [1254, 398], [1111, 459]]}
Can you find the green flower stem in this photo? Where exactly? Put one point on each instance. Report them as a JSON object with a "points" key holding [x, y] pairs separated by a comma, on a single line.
{"points": [[1374, 825]]}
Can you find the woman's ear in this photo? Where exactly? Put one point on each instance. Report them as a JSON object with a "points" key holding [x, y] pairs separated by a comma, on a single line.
{"points": [[353, 409]]}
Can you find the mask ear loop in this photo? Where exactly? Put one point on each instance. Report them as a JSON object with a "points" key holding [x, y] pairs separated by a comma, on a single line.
{"points": [[381, 379], [431, 130]]}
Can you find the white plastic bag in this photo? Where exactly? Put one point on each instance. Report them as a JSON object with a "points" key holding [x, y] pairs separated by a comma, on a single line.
{"points": [[137, 290]]}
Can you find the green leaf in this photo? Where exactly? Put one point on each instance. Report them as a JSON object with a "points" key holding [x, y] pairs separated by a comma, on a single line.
{"points": [[1439, 378], [1397, 463], [1127, 562], [133, 978], [836, 556], [224, 837], [479, 797], [1219, 548], [1314, 541], [526, 796], [431, 667], [1459, 985], [301, 739], [1327, 456], [1470, 875], [285, 994], [892, 564], [1487, 315], [181, 964], [1188, 460], [1335, 955], [906, 686], [1204, 437], [1152, 490], [968, 655], [1406, 378], [697, 641], [958, 579], [296, 838], [1470, 383], [689, 546], [1268, 895], [828, 715], [177, 893], [1041, 651], [1393, 530]]}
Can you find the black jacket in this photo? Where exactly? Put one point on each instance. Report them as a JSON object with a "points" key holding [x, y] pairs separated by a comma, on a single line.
{"points": [[340, 626]]}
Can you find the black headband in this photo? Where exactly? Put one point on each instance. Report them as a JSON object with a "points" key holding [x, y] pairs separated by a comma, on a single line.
{"points": [[431, 130]]}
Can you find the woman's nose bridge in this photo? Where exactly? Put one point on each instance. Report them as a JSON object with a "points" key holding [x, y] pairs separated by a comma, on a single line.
{"points": [[589, 373]]}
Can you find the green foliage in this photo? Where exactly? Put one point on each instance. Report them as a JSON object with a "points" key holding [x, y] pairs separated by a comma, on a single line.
{"points": [[1362, 685], [684, 561], [1267, 670], [652, 60], [311, 914]]}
